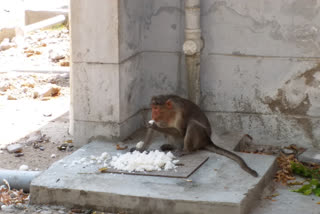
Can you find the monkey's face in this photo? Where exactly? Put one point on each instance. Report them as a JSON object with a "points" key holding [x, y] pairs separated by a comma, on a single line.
{"points": [[157, 114], [162, 115]]}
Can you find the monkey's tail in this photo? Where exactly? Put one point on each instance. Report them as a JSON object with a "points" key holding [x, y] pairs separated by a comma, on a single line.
{"points": [[216, 149]]}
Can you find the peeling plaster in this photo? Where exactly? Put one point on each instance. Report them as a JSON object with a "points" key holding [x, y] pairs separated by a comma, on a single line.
{"points": [[298, 97]]}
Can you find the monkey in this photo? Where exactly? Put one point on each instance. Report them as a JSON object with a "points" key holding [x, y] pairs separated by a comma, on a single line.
{"points": [[187, 125]]}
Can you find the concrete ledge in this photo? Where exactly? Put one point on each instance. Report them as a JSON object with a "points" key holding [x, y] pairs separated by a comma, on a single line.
{"points": [[87, 131], [219, 186], [311, 155], [33, 16]]}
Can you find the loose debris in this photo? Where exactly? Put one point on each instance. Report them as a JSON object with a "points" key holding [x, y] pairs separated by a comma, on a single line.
{"points": [[10, 196], [121, 148], [65, 147], [311, 187], [285, 174], [14, 148], [103, 169], [272, 196], [17, 86], [290, 166], [41, 47]]}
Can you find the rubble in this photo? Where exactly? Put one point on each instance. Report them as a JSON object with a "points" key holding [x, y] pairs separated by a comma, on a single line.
{"points": [[4, 86], [23, 167], [41, 47], [50, 90], [10, 97], [6, 44], [14, 148], [16, 86]]}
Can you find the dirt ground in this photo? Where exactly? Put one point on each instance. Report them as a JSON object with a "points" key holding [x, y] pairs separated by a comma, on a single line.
{"points": [[39, 124]]}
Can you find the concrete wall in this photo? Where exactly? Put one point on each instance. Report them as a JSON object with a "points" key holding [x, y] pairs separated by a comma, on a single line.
{"points": [[259, 67], [118, 63]]}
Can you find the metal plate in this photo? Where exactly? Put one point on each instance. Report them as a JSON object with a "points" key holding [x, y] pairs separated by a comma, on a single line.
{"points": [[187, 165]]}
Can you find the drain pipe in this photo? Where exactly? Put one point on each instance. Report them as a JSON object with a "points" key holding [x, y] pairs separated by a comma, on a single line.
{"points": [[192, 48], [18, 179]]}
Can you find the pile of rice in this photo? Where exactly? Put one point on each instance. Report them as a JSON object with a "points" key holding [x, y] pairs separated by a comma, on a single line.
{"points": [[145, 161]]}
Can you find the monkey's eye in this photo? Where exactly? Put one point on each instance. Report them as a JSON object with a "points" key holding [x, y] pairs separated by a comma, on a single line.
{"points": [[154, 107]]}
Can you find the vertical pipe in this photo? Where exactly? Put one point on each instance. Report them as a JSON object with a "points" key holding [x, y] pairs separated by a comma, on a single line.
{"points": [[192, 47]]}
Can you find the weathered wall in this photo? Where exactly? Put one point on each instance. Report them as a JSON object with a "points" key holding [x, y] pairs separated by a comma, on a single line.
{"points": [[260, 69], [119, 62]]}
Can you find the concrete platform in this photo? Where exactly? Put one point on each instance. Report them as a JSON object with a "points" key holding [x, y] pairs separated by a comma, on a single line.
{"points": [[218, 186]]}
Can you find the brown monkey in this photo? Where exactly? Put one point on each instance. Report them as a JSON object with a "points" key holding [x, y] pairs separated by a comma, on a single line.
{"points": [[184, 121]]}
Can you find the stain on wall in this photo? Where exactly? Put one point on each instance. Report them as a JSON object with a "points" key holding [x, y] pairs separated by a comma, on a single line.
{"points": [[296, 98]]}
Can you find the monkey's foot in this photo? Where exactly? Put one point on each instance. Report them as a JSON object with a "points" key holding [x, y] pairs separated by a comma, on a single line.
{"points": [[167, 147]]}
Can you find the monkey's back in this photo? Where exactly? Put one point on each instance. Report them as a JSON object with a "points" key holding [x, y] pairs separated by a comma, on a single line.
{"points": [[193, 112]]}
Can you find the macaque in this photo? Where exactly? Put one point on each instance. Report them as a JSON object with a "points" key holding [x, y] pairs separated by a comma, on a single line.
{"points": [[187, 126]]}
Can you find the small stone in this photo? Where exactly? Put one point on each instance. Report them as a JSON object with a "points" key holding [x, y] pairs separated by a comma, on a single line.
{"points": [[65, 64], [63, 147], [23, 167], [50, 91], [29, 83], [19, 155], [53, 155], [5, 45], [35, 94], [55, 56], [4, 86], [10, 97], [14, 148], [287, 151], [41, 148]]}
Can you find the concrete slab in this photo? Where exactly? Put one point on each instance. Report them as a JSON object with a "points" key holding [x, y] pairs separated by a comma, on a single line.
{"points": [[218, 186], [285, 201]]}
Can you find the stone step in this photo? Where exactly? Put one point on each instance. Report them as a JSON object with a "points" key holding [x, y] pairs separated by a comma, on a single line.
{"points": [[219, 186]]}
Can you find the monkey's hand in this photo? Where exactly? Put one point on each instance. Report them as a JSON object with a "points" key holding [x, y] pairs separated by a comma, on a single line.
{"points": [[152, 126], [133, 149], [139, 150], [136, 149]]}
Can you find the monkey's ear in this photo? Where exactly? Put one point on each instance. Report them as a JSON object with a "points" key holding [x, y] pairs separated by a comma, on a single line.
{"points": [[169, 104]]}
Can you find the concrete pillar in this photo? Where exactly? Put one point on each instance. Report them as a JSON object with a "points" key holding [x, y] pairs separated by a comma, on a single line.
{"points": [[104, 102]]}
